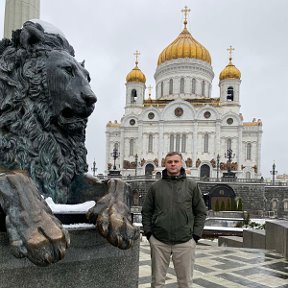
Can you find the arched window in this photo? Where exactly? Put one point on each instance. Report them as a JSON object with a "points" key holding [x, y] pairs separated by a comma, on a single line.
{"points": [[178, 142], [230, 94], [162, 88], [193, 85], [248, 175], [171, 142], [206, 143], [150, 143], [229, 144], [203, 88], [131, 147], [170, 86], [133, 96], [183, 146], [182, 85], [249, 148]]}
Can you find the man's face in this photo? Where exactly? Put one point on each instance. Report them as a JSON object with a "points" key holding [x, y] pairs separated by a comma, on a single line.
{"points": [[173, 165]]}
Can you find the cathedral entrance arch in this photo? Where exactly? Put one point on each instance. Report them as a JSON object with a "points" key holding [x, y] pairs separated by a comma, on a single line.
{"points": [[149, 168], [221, 197], [205, 171]]}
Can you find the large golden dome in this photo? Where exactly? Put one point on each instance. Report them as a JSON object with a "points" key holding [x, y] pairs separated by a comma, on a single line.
{"points": [[136, 75], [230, 72], [184, 46]]}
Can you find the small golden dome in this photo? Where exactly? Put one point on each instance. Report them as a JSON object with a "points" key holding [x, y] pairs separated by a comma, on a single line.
{"points": [[184, 46], [230, 71], [136, 75]]}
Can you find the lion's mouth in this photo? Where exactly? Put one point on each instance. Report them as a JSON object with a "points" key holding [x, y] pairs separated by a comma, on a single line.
{"points": [[70, 114]]}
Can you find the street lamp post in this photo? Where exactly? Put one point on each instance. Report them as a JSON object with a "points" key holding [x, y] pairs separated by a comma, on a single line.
{"points": [[94, 169], [273, 172], [218, 164], [136, 164], [115, 155]]}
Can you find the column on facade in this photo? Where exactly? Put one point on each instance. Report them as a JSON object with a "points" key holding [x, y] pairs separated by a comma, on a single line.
{"points": [[217, 143], [195, 143], [240, 148], [139, 150], [189, 145], [122, 147], [160, 143]]}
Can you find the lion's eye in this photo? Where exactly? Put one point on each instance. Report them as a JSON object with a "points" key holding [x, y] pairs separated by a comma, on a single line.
{"points": [[69, 70]]}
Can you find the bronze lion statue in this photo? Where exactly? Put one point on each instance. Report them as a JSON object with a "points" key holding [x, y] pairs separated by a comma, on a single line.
{"points": [[45, 100]]}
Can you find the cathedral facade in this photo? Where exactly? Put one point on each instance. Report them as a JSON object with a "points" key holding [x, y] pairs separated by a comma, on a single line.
{"points": [[210, 132]]}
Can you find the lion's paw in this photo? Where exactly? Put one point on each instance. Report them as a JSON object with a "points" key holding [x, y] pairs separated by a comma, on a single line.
{"points": [[113, 221], [43, 243], [117, 228]]}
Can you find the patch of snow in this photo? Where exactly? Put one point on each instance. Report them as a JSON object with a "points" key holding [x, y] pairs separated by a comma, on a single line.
{"points": [[48, 27], [71, 208], [79, 226]]}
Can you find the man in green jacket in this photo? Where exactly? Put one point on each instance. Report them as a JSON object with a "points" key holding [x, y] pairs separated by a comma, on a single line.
{"points": [[173, 216]]}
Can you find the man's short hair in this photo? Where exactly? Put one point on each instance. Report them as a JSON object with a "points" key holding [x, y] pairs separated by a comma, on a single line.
{"points": [[173, 154]]}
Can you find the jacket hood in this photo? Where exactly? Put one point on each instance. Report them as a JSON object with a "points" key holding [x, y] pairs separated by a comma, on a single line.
{"points": [[181, 176]]}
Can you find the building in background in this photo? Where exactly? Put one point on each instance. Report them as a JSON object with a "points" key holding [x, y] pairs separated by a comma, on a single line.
{"points": [[184, 117], [17, 12]]}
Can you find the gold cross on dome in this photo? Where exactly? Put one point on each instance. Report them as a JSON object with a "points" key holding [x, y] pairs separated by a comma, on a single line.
{"points": [[230, 49], [186, 10], [137, 53]]}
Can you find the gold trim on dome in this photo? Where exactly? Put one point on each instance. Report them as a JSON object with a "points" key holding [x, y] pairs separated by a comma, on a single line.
{"points": [[184, 46]]}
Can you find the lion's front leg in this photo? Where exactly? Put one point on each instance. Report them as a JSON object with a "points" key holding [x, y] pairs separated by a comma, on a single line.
{"points": [[112, 215], [32, 229]]}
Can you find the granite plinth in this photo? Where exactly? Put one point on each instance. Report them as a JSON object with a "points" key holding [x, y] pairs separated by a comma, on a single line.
{"points": [[89, 262]]}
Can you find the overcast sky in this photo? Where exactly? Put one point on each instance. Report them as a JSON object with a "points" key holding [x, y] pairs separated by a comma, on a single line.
{"points": [[107, 33]]}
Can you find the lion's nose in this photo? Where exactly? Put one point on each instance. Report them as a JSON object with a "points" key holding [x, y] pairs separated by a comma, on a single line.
{"points": [[90, 99]]}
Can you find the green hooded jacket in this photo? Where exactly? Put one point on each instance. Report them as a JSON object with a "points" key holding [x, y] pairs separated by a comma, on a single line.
{"points": [[174, 210]]}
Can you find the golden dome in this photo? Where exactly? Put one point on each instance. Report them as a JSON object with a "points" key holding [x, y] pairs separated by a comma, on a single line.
{"points": [[230, 71], [136, 75], [184, 46]]}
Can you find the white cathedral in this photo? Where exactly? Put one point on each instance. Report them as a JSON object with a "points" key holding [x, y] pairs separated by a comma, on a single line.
{"points": [[184, 117]]}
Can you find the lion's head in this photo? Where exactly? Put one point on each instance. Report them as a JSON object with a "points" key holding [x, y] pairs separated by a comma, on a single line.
{"points": [[45, 100]]}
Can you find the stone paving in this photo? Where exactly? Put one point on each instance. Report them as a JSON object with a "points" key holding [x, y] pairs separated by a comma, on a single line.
{"points": [[222, 267]]}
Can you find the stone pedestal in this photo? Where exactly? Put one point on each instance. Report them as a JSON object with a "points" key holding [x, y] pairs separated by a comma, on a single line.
{"points": [[89, 262]]}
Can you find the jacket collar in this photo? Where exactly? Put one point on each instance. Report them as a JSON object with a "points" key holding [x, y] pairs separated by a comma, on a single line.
{"points": [[181, 176]]}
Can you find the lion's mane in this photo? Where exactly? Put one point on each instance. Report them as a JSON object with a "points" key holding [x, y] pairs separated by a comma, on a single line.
{"points": [[29, 138]]}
